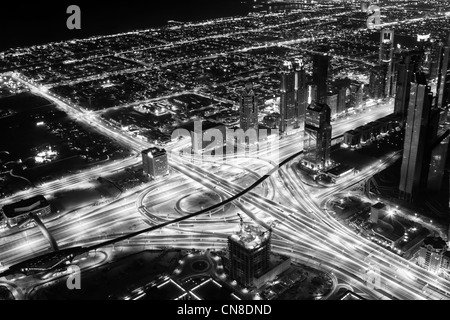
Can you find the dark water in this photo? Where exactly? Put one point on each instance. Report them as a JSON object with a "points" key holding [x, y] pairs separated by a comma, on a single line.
{"points": [[28, 23]]}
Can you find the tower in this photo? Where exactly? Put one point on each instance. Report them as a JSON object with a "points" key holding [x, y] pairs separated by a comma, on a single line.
{"points": [[249, 252], [386, 58], [317, 140], [249, 109], [321, 65], [416, 135], [443, 83], [405, 74], [154, 161], [294, 95]]}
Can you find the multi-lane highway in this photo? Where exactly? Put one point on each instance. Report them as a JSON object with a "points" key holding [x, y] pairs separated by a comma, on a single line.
{"points": [[301, 230]]}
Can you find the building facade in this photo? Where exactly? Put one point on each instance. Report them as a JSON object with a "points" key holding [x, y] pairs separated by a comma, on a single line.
{"points": [[248, 113], [443, 83], [317, 141], [416, 134], [249, 254], [431, 253], [154, 162], [293, 95], [18, 212], [386, 58], [321, 72]]}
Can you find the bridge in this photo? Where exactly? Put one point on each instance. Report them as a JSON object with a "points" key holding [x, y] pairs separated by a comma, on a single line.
{"points": [[47, 262], [44, 231]]}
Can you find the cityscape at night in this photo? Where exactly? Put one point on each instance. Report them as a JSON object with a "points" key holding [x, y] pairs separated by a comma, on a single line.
{"points": [[251, 150]]}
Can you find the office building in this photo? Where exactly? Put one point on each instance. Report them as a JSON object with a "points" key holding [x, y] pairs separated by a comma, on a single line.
{"points": [[403, 91], [386, 58], [17, 212], [332, 102], [438, 161], [377, 82], [416, 135], [377, 211], [317, 140], [356, 94], [249, 254], [321, 72], [154, 161], [431, 253], [443, 81], [248, 114], [343, 93], [406, 69], [294, 95], [272, 120]]}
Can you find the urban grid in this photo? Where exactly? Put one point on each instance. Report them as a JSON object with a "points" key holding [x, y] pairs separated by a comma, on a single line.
{"points": [[297, 151]]}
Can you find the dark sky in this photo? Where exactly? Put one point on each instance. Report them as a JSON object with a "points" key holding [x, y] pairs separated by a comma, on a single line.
{"points": [[27, 23]]}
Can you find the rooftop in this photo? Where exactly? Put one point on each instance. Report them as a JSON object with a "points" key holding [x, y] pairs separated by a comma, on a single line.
{"points": [[167, 290], [435, 242], [154, 152], [379, 206], [353, 132], [205, 125], [318, 107], [251, 237], [23, 206], [210, 289], [340, 170]]}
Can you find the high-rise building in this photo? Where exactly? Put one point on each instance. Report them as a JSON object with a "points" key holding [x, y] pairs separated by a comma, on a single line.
{"points": [[430, 254], [386, 58], [294, 95], [317, 140], [249, 254], [356, 94], [437, 163], [154, 161], [321, 65], [377, 82], [341, 100], [249, 109], [332, 102], [386, 46], [432, 60], [416, 135], [443, 83], [406, 70]]}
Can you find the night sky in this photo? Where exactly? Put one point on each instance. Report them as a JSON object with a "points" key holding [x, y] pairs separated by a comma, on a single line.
{"points": [[28, 23]]}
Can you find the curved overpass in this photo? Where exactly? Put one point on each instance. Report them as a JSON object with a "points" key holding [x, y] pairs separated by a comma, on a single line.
{"points": [[45, 231], [195, 214]]}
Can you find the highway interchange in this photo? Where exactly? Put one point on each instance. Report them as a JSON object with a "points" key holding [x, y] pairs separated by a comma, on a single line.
{"points": [[301, 228]]}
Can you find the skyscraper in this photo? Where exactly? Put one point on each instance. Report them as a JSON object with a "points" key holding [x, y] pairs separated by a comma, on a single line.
{"points": [[437, 163], [386, 58], [154, 162], [321, 65], [405, 74], [249, 253], [317, 140], [249, 109], [443, 83], [377, 82], [416, 135], [294, 95]]}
